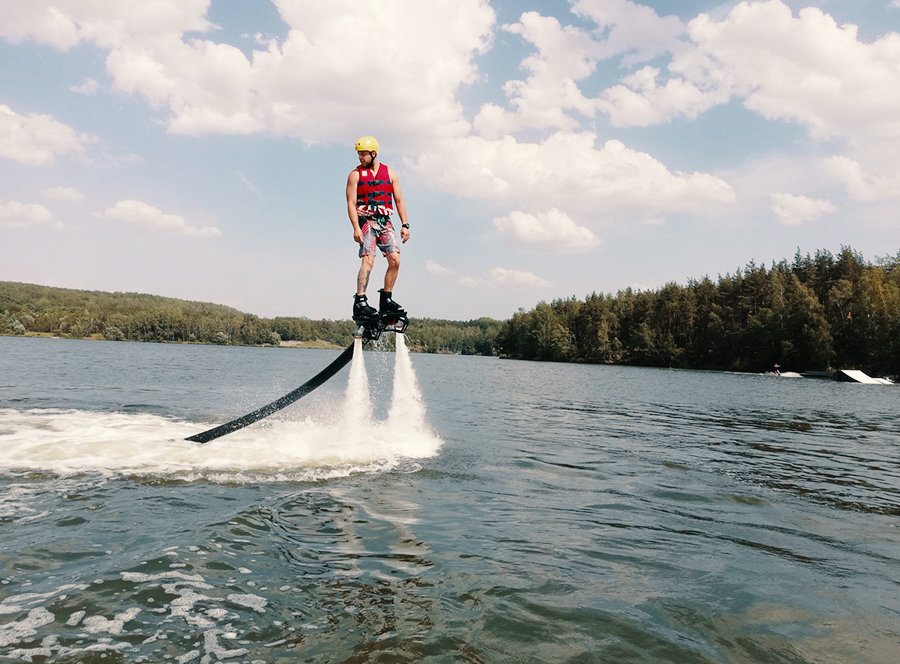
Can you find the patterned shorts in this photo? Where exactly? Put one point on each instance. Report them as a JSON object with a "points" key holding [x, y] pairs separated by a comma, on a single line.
{"points": [[378, 231]]}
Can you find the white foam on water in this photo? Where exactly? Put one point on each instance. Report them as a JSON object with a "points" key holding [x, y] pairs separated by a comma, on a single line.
{"points": [[254, 602], [75, 618], [215, 649], [17, 603], [26, 627], [188, 657], [189, 606], [187, 579], [344, 439], [98, 624]]}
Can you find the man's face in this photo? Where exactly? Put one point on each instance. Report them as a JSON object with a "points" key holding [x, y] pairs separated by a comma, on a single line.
{"points": [[366, 158]]}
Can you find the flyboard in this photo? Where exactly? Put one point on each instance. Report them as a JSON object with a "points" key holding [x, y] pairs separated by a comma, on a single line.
{"points": [[368, 329]]}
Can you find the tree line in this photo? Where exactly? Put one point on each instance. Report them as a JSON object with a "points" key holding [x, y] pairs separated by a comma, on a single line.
{"points": [[43, 310], [815, 313]]}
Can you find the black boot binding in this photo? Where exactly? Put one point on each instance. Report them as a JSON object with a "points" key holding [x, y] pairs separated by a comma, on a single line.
{"points": [[371, 324], [363, 312], [393, 316], [387, 306]]}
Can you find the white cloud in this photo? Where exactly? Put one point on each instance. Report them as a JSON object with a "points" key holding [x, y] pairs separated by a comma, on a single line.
{"points": [[37, 139], [642, 101], [565, 55], [64, 24], [802, 68], [634, 30], [501, 277], [862, 185], [567, 168], [252, 187], [89, 87], [65, 194], [552, 231], [506, 278], [805, 69], [434, 268], [793, 210], [145, 216], [470, 282], [310, 86], [26, 215]]}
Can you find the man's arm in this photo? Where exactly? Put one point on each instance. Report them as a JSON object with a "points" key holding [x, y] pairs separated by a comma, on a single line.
{"points": [[399, 203], [352, 181]]}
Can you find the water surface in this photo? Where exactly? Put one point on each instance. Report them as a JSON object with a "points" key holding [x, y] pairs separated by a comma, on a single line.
{"points": [[450, 509]]}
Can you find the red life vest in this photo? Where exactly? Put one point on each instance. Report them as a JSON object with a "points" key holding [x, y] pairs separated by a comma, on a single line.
{"points": [[374, 191]]}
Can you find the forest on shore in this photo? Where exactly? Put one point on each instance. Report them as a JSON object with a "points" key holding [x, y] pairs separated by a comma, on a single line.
{"points": [[27, 309], [816, 313]]}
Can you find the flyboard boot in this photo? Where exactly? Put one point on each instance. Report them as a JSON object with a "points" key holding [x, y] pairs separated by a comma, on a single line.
{"points": [[393, 316], [366, 317]]}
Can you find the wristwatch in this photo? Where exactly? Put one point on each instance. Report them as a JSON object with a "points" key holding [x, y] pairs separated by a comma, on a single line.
{"points": [[405, 225]]}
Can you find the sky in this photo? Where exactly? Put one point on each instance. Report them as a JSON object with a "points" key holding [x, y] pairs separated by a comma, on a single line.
{"points": [[200, 149]]}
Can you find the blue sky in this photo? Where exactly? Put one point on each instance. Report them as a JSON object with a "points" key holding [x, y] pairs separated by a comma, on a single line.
{"points": [[199, 148]]}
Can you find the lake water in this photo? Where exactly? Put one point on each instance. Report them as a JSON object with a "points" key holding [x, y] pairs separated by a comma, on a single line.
{"points": [[431, 508]]}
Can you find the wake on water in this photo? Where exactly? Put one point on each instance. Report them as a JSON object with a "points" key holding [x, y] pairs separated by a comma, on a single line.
{"points": [[67, 442]]}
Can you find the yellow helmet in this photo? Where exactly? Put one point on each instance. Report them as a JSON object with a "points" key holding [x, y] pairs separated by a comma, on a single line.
{"points": [[367, 143]]}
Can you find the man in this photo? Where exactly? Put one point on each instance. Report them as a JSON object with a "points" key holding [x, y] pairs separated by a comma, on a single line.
{"points": [[370, 190]]}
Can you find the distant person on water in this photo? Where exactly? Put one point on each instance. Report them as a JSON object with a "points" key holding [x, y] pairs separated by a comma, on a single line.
{"points": [[373, 192]]}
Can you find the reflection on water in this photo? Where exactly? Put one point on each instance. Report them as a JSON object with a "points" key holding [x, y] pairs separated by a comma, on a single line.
{"points": [[543, 513]]}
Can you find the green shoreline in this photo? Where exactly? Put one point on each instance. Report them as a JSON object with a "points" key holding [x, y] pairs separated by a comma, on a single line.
{"points": [[30, 309], [316, 344], [822, 312]]}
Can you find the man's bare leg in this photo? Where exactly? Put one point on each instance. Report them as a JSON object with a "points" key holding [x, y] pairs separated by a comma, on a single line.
{"points": [[362, 310], [387, 304], [365, 271], [393, 268]]}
